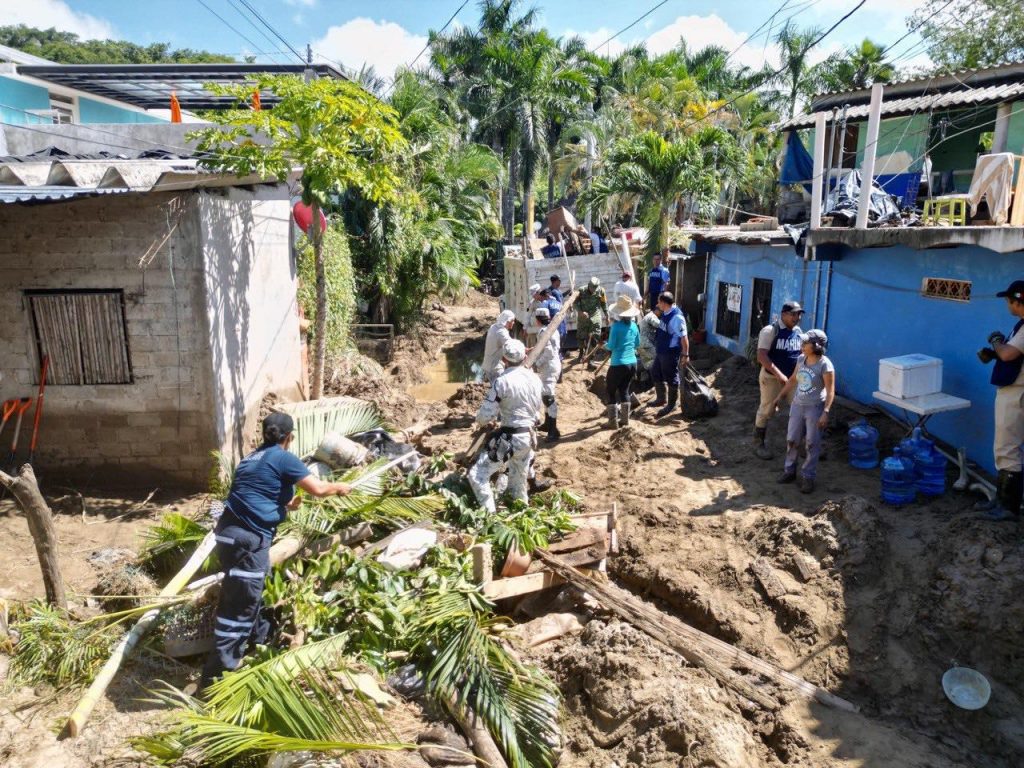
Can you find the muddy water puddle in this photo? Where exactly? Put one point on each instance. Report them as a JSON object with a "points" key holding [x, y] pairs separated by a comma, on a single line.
{"points": [[445, 376]]}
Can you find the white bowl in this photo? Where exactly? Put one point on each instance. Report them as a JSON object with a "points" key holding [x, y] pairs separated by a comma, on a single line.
{"points": [[966, 688]]}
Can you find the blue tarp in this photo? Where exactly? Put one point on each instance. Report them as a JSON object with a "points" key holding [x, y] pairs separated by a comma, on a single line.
{"points": [[797, 165]]}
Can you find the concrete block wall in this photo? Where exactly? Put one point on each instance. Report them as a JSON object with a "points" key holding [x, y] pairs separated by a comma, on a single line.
{"points": [[157, 430]]}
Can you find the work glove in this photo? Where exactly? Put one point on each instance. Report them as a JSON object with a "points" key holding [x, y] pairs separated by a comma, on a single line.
{"points": [[996, 337], [986, 355]]}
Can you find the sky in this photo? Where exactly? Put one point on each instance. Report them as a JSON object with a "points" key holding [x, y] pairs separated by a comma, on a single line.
{"points": [[386, 34]]}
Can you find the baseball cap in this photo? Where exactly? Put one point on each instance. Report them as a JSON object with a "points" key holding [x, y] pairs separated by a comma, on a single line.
{"points": [[514, 351], [793, 306], [1015, 291], [595, 281], [815, 336], [542, 312], [534, 288], [555, 278]]}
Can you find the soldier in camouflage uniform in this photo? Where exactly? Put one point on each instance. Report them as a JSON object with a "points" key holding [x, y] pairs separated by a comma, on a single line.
{"points": [[591, 307]]}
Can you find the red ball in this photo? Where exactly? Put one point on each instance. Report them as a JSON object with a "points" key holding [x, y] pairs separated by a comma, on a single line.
{"points": [[303, 215]]}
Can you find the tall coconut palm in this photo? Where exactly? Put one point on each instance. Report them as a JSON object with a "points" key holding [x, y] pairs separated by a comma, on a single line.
{"points": [[858, 67], [797, 75]]}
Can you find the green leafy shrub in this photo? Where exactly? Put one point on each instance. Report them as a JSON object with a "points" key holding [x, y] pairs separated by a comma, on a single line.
{"points": [[341, 286]]}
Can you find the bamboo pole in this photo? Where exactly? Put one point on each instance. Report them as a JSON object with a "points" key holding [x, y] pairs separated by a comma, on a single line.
{"points": [[26, 492], [76, 722], [552, 328]]}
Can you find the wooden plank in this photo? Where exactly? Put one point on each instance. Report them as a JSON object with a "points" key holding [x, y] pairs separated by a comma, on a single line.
{"points": [[592, 555], [710, 653], [578, 539], [1017, 211], [768, 579], [549, 330], [514, 586]]}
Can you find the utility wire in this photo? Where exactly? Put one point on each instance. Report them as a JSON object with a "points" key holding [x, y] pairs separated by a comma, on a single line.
{"points": [[273, 31], [241, 12], [426, 45], [630, 25], [229, 25]]}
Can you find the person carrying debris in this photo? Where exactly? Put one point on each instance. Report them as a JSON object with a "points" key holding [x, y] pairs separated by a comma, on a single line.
{"points": [[497, 335], [514, 400], [590, 309], [657, 281], [1008, 377], [814, 386], [623, 340], [549, 367], [778, 347], [671, 348], [261, 493]]}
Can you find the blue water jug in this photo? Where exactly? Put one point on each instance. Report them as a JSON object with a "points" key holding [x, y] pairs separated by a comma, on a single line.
{"points": [[909, 446], [863, 445], [930, 468], [898, 479]]}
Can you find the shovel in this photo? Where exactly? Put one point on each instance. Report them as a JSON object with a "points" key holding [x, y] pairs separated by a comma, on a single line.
{"points": [[20, 407], [9, 406]]}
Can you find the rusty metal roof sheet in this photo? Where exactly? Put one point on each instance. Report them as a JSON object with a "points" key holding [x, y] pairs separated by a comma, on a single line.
{"points": [[993, 94]]}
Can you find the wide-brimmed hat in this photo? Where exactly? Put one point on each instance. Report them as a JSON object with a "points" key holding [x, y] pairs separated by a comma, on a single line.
{"points": [[514, 351], [623, 309]]}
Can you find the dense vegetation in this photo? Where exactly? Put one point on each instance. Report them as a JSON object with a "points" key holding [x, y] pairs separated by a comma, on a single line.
{"points": [[67, 48]]}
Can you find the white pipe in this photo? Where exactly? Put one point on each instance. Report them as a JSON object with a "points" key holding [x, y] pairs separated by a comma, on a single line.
{"points": [[867, 173], [819, 167], [1002, 132]]}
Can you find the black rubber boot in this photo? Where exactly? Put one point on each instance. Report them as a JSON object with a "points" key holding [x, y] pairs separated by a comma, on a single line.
{"points": [[546, 426], [538, 486], [553, 433], [760, 445], [624, 409], [1009, 493], [613, 416], [659, 391], [673, 395]]}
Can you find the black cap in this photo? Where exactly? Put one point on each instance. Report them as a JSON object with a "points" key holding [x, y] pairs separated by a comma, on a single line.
{"points": [[1015, 291], [555, 277], [792, 306], [276, 427]]}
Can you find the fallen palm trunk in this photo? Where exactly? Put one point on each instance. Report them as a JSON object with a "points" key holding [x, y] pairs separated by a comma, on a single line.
{"points": [[479, 738], [85, 706], [684, 640], [286, 549], [550, 330]]}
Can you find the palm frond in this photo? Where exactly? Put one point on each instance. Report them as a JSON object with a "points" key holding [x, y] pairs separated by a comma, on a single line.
{"points": [[347, 417], [166, 545]]}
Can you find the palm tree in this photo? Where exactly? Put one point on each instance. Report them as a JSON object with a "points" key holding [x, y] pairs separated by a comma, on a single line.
{"points": [[797, 74], [858, 67], [660, 174]]}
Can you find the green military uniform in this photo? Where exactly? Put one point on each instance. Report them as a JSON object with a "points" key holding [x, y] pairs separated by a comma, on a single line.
{"points": [[590, 309]]}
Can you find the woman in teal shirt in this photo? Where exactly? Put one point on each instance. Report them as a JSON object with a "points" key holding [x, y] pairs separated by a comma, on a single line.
{"points": [[623, 339]]}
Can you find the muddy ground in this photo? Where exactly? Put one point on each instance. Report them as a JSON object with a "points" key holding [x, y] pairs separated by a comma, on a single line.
{"points": [[869, 602]]}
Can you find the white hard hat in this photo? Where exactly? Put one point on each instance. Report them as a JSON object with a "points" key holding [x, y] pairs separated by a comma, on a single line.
{"points": [[543, 312], [514, 351]]}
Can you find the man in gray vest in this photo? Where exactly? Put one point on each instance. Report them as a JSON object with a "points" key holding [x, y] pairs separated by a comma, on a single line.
{"points": [[778, 347]]}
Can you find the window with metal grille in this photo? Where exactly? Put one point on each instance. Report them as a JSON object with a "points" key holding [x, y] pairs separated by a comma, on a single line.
{"points": [[760, 305], [944, 288], [727, 315], [84, 335]]}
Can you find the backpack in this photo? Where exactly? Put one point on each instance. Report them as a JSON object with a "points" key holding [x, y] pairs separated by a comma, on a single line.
{"points": [[698, 400]]}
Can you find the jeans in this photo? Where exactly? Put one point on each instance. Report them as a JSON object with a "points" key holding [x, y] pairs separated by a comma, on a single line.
{"points": [[803, 425], [665, 368], [245, 559], [618, 381]]}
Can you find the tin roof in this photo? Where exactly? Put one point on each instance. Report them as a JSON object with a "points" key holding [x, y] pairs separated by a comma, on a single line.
{"points": [[50, 194], [20, 57]]}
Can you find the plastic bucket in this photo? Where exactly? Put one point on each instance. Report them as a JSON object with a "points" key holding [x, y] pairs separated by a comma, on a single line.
{"points": [[339, 452]]}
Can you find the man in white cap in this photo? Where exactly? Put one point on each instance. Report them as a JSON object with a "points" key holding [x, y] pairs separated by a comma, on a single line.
{"points": [[497, 335], [549, 367], [514, 401], [626, 286]]}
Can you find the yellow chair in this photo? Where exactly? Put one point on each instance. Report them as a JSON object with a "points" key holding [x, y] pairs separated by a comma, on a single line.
{"points": [[948, 209]]}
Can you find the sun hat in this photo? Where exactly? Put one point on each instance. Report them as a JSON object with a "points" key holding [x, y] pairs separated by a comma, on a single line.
{"points": [[514, 351], [624, 309]]}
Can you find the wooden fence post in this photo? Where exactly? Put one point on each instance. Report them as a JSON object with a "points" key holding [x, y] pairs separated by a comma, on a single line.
{"points": [[40, 525]]}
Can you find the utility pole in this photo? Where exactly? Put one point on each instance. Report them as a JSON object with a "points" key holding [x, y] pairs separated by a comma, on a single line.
{"points": [[307, 73]]}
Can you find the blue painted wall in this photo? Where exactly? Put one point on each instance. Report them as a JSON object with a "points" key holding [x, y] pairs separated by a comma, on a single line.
{"points": [[90, 111], [16, 96], [876, 310]]}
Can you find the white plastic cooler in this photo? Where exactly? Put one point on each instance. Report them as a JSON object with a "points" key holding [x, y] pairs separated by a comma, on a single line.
{"points": [[910, 375]]}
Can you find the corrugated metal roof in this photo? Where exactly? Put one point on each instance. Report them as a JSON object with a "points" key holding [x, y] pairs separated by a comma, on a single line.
{"points": [[20, 57], [20, 194], [979, 76], [993, 94]]}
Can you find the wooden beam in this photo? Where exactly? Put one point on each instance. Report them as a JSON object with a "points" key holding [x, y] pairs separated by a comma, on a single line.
{"points": [[550, 329], [703, 650], [515, 586], [483, 563]]}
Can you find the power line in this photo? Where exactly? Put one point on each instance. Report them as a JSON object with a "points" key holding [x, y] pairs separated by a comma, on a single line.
{"points": [[630, 25], [235, 30], [251, 23], [425, 47], [914, 29], [276, 34]]}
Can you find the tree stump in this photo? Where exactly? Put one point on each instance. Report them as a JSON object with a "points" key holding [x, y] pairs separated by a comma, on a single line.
{"points": [[40, 525]]}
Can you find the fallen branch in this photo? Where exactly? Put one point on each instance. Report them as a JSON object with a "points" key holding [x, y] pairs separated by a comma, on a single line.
{"points": [[682, 638], [479, 738], [26, 492], [86, 704]]}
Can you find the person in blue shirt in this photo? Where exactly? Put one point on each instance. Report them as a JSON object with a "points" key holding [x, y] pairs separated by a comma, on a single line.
{"points": [[261, 494], [552, 250], [623, 340], [657, 281], [557, 297], [671, 348]]}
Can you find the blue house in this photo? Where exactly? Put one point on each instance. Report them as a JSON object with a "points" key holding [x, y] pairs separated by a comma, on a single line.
{"points": [[28, 99], [889, 291]]}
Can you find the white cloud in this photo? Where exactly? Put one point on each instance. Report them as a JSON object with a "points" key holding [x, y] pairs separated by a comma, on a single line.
{"points": [[598, 36], [305, 3], [702, 31], [298, 19], [383, 45], [55, 13]]}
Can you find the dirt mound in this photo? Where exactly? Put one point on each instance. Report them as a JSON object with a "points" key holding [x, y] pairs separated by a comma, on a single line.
{"points": [[466, 401], [634, 704], [354, 375]]}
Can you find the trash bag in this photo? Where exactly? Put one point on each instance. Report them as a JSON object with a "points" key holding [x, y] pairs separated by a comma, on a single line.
{"points": [[698, 400], [844, 198], [382, 446]]}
